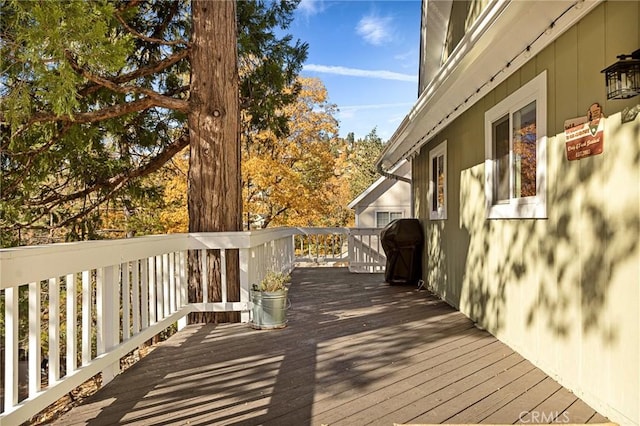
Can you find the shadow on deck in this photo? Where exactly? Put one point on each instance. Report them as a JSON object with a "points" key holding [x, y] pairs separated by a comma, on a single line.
{"points": [[356, 351]]}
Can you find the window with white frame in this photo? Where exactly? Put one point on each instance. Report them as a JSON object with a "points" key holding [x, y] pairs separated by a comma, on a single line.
{"points": [[385, 218], [515, 153], [438, 182]]}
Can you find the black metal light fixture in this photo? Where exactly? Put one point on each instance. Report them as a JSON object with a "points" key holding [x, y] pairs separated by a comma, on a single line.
{"points": [[623, 77]]}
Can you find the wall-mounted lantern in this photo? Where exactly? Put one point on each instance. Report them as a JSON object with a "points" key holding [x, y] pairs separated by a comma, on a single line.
{"points": [[623, 77]]}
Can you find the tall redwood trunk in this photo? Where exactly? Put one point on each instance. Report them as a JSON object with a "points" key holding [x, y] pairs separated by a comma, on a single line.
{"points": [[214, 194]]}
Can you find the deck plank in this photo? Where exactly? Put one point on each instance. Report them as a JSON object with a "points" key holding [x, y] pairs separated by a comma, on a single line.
{"points": [[579, 412], [472, 405], [355, 351]]}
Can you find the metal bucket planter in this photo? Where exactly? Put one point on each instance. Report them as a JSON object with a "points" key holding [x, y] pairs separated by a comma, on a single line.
{"points": [[269, 309]]}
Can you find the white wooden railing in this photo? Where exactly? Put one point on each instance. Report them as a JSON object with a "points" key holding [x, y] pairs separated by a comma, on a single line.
{"points": [[322, 245], [124, 292], [365, 250]]}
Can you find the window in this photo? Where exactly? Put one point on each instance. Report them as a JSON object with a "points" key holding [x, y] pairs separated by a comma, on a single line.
{"points": [[384, 218], [438, 182], [515, 153]]}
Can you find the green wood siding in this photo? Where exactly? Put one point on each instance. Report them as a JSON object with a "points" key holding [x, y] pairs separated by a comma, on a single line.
{"points": [[564, 291]]}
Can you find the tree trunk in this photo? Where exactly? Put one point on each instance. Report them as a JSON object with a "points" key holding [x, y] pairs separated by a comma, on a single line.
{"points": [[214, 197]]}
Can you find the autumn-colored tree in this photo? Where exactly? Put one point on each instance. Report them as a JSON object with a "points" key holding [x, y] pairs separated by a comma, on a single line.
{"points": [[174, 216], [295, 180], [524, 157]]}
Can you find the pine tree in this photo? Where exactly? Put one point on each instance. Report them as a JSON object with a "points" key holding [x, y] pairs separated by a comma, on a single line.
{"points": [[98, 94]]}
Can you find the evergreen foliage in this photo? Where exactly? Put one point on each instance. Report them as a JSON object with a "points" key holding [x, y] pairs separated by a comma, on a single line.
{"points": [[95, 96], [363, 154]]}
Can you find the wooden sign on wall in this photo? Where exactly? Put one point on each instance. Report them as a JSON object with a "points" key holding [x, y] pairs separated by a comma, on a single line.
{"points": [[585, 135]]}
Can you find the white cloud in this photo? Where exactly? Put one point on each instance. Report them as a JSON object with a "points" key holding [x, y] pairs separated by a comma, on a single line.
{"points": [[374, 29], [311, 7], [408, 57], [374, 106], [396, 119], [355, 72], [350, 111]]}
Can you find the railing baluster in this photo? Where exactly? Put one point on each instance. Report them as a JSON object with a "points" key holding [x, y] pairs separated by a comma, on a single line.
{"points": [[182, 286], [115, 305], [351, 248], [165, 286], [160, 313], [144, 294], [244, 260], [172, 282], [86, 317], [110, 330], [183, 280], [100, 312], [54, 331], [126, 306], [35, 342], [223, 275], [204, 278], [151, 276], [135, 295], [11, 347], [326, 246], [72, 315]]}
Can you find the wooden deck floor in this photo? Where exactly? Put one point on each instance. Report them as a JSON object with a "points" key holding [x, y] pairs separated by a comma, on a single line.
{"points": [[356, 352]]}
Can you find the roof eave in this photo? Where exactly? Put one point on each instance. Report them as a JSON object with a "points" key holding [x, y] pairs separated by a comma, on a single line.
{"points": [[505, 36]]}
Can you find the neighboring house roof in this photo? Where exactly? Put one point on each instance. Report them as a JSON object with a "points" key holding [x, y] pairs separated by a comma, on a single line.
{"points": [[402, 169], [498, 43]]}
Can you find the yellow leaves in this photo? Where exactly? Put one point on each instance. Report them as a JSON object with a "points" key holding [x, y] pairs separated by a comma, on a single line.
{"points": [[296, 181], [175, 216]]}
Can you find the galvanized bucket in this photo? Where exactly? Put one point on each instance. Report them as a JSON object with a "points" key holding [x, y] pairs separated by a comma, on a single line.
{"points": [[269, 309]]}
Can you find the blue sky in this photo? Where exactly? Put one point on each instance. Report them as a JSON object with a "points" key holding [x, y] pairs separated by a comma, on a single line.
{"points": [[366, 54]]}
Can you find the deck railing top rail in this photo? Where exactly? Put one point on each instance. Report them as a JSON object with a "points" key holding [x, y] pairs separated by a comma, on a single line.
{"points": [[20, 265]]}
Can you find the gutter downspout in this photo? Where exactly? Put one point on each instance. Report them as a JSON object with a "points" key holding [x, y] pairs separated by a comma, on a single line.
{"points": [[391, 176]]}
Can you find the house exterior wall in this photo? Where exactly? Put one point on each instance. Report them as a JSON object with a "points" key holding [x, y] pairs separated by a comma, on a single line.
{"points": [[463, 15], [393, 197], [442, 32], [563, 291]]}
